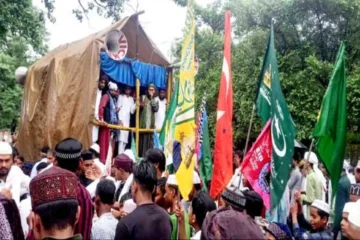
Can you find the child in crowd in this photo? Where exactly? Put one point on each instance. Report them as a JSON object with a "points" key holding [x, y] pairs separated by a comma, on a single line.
{"points": [[317, 227], [200, 206]]}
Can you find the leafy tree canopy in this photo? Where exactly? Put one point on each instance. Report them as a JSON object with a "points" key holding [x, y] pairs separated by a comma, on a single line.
{"points": [[22, 35], [308, 34]]}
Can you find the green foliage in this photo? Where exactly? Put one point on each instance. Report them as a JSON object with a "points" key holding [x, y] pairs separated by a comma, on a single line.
{"points": [[307, 37], [105, 8], [22, 35]]}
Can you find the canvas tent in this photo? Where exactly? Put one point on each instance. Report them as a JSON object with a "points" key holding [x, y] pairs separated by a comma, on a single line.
{"points": [[60, 88]]}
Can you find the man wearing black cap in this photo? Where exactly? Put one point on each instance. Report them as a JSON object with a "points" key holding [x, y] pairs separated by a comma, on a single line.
{"points": [[68, 156], [55, 209], [87, 163], [234, 198]]}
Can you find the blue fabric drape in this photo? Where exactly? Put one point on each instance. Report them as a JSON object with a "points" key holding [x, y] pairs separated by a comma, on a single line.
{"points": [[127, 70]]}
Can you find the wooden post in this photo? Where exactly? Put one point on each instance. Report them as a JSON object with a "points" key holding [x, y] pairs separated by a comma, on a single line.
{"points": [[169, 87], [249, 129], [137, 116]]}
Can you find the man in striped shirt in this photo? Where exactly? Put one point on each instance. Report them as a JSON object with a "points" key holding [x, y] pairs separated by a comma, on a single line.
{"points": [[68, 156]]}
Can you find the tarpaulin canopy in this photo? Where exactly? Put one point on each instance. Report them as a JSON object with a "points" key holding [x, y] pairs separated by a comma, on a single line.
{"points": [[127, 70], [60, 88]]}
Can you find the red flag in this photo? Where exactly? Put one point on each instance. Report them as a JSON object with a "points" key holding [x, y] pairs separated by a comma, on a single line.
{"points": [[256, 164], [223, 152]]}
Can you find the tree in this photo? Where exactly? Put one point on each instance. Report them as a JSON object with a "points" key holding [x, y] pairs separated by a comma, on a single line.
{"points": [[21, 41], [308, 34], [105, 8]]}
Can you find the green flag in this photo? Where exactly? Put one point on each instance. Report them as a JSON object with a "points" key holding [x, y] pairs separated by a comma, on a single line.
{"points": [[330, 130], [167, 134], [263, 96], [205, 161], [282, 126]]}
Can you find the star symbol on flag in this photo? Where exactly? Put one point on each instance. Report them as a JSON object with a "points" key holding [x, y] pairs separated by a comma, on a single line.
{"points": [[219, 114]]}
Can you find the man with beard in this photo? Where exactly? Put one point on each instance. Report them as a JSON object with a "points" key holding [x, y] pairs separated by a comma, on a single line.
{"points": [[126, 104], [12, 181], [11, 176], [107, 113], [147, 120], [103, 82], [161, 113]]}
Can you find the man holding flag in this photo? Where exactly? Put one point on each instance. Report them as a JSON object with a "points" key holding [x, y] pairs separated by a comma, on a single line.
{"points": [[223, 150]]}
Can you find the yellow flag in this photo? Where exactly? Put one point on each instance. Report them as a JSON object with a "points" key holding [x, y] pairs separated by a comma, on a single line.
{"points": [[185, 112]]}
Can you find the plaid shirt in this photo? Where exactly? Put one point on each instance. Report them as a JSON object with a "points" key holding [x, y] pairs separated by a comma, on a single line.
{"points": [[86, 214]]}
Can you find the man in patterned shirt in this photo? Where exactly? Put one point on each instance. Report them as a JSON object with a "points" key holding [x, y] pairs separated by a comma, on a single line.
{"points": [[105, 226], [68, 156]]}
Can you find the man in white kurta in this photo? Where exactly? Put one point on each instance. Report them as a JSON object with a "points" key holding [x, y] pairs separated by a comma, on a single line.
{"points": [[161, 113], [126, 105], [103, 81]]}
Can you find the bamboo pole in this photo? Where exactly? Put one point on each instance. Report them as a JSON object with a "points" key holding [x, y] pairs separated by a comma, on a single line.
{"points": [[130, 129], [169, 87], [137, 116], [249, 130]]}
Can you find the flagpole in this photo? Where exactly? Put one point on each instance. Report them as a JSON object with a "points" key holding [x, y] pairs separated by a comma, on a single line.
{"points": [[310, 149], [249, 130]]}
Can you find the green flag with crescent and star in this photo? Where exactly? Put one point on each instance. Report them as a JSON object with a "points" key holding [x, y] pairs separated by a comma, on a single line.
{"points": [[271, 103], [330, 130], [263, 96]]}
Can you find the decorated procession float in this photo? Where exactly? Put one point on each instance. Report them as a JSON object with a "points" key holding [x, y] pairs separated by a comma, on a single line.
{"points": [[60, 88]]}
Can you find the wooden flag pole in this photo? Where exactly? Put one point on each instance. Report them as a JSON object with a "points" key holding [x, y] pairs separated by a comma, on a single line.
{"points": [[249, 130], [310, 149]]}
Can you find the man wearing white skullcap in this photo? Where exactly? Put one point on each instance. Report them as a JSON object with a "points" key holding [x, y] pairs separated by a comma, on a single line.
{"points": [[354, 222], [313, 184], [196, 187], [316, 228], [12, 180], [108, 114], [349, 206], [171, 198]]}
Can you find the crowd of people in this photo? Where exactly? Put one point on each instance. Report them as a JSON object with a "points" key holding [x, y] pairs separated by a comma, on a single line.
{"points": [[69, 195], [117, 107], [77, 193]]}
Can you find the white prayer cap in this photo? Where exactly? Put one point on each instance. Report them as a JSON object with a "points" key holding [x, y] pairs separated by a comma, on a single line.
{"points": [[346, 165], [172, 180], [130, 154], [95, 147], [321, 205], [354, 215], [312, 159], [196, 178], [113, 86], [349, 206], [5, 148]]}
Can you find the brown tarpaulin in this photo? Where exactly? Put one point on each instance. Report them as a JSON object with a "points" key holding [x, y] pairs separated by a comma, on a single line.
{"points": [[60, 89]]}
